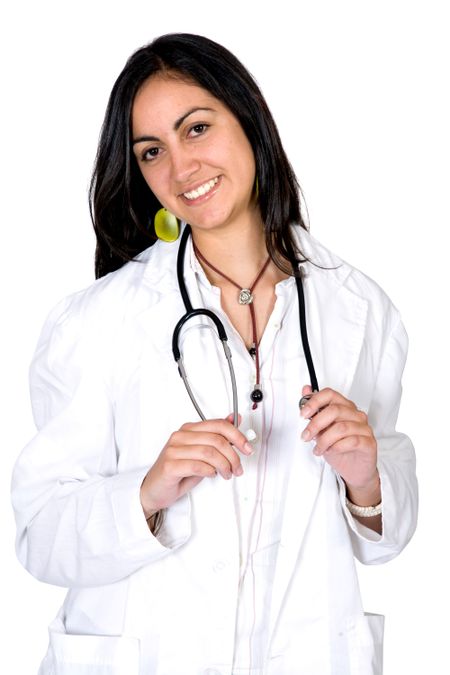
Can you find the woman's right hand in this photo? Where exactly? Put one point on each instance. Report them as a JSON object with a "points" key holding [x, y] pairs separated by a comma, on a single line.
{"points": [[196, 451]]}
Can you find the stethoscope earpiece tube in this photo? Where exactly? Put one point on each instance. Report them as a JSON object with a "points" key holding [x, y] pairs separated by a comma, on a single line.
{"points": [[304, 334], [227, 351], [180, 268], [183, 376], [191, 313], [179, 360]]}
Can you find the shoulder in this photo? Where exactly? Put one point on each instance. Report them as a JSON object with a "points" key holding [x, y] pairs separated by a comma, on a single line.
{"points": [[337, 277], [324, 265], [125, 292], [92, 320]]}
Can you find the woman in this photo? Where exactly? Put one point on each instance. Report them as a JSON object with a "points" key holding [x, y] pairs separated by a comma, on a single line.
{"points": [[224, 545]]}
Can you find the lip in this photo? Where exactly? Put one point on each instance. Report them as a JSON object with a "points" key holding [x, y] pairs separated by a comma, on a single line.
{"points": [[201, 198]]}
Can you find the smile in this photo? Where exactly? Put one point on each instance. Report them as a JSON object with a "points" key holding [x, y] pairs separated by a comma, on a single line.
{"points": [[201, 190]]}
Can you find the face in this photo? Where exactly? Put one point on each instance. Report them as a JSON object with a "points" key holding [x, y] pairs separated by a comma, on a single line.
{"points": [[193, 153]]}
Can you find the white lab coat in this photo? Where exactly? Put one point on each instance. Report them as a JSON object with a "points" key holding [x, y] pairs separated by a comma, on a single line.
{"points": [[106, 395]]}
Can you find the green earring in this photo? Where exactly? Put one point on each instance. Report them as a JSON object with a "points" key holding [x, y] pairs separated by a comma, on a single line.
{"points": [[167, 226]]}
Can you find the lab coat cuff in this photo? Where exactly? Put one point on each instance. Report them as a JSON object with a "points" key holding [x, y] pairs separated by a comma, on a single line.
{"points": [[132, 528], [356, 526], [176, 525]]}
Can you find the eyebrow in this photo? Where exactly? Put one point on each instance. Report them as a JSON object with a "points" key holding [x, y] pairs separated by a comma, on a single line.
{"points": [[176, 125]]}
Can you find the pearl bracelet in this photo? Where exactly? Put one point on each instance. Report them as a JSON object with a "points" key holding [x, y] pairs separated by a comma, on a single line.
{"points": [[364, 511]]}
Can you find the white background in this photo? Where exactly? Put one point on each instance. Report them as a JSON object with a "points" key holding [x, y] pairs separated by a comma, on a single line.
{"points": [[359, 90]]}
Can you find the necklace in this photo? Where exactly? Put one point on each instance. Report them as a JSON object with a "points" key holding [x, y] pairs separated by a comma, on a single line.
{"points": [[245, 297]]}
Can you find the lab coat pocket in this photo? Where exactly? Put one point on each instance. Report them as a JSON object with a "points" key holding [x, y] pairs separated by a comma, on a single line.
{"points": [[91, 654], [365, 639]]}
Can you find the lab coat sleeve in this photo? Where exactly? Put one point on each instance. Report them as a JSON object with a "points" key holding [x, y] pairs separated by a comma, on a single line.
{"points": [[79, 516], [396, 462]]}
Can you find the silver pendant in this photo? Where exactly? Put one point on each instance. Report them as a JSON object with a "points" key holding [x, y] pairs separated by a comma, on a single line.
{"points": [[245, 297]]}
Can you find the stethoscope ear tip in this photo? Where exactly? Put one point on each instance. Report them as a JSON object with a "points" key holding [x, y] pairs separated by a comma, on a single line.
{"points": [[250, 435]]}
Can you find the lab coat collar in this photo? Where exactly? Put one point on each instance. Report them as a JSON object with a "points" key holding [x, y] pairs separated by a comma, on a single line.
{"points": [[161, 260]]}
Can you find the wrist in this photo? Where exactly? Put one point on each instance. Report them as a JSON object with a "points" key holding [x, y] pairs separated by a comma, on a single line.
{"points": [[368, 495], [148, 507]]}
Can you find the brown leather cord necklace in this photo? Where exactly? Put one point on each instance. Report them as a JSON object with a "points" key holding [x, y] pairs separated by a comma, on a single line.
{"points": [[245, 297]]}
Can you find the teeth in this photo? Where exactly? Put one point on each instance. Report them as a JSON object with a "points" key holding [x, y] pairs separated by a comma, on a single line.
{"points": [[201, 190]]}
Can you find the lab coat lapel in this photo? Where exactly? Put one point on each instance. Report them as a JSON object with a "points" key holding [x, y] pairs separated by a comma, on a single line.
{"points": [[336, 321], [336, 328], [335, 315]]}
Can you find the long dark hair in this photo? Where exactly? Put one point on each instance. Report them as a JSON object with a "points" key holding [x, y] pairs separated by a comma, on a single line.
{"points": [[121, 203]]}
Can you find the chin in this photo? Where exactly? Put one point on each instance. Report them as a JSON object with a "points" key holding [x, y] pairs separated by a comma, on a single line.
{"points": [[208, 222]]}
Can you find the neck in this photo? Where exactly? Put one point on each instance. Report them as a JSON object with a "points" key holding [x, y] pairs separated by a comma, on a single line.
{"points": [[238, 254]]}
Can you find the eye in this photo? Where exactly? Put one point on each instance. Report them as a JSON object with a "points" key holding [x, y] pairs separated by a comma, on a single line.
{"points": [[198, 129], [150, 154]]}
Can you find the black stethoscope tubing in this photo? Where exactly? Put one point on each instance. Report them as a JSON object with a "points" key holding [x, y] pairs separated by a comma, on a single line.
{"points": [[304, 334], [191, 313]]}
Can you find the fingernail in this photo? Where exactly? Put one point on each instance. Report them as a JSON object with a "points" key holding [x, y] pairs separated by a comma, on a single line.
{"points": [[248, 448], [238, 471], [306, 411], [306, 435]]}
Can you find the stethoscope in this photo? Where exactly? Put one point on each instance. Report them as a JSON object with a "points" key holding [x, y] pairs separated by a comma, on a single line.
{"points": [[191, 313]]}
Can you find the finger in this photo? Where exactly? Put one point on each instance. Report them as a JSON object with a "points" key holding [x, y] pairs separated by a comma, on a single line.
{"points": [[329, 415], [340, 431], [225, 429], [307, 390], [249, 434], [225, 461], [175, 470], [352, 444], [230, 418], [321, 399], [194, 438]]}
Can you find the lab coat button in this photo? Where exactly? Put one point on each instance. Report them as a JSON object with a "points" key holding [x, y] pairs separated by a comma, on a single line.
{"points": [[218, 566]]}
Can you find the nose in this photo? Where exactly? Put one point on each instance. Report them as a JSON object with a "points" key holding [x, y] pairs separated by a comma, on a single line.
{"points": [[184, 164]]}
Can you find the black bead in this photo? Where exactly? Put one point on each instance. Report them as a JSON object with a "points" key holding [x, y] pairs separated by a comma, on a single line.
{"points": [[256, 395]]}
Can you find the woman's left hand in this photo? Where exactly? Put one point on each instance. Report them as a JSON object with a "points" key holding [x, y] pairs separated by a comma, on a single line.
{"points": [[343, 437]]}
